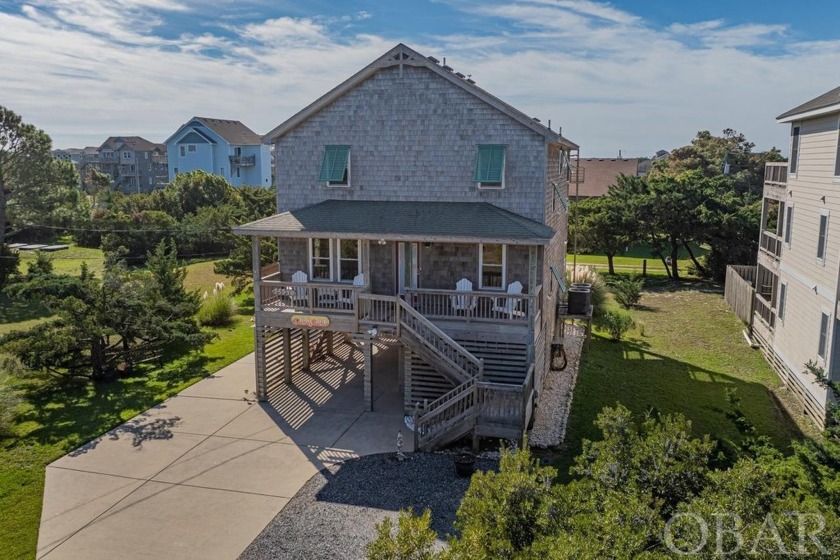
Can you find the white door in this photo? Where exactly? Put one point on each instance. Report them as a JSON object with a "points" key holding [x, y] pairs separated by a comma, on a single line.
{"points": [[407, 266]]}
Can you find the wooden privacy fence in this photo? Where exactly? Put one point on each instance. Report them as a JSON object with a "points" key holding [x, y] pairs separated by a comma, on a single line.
{"points": [[739, 290]]}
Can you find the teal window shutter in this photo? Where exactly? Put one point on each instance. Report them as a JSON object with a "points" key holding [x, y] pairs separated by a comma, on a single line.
{"points": [[334, 164], [489, 164], [561, 281]]}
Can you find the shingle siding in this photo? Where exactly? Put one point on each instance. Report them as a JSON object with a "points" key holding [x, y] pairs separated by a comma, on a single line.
{"points": [[413, 137]]}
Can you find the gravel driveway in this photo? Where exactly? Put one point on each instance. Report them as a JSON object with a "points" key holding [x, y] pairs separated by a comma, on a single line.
{"points": [[335, 513]]}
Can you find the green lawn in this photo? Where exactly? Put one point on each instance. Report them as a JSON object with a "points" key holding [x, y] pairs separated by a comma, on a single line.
{"points": [[631, 260], [58, 416], [691, 352]]}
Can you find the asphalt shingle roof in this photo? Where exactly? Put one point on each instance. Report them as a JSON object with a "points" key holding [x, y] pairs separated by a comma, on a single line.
{"points": [[829, 98], [410, 221], [233, 131]]}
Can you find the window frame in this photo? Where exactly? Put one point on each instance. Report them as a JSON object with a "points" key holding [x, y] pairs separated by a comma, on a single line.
{"points": [[787, 231], [795, 142], [348, 167], [491, 185], [822, 340], [782, 302], [311, 259], [823, 247], [481, 285], [340, 259], [182, 150], [837, 154], [191, 148]]}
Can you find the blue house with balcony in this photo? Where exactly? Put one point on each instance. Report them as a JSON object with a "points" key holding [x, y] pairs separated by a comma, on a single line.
{"points": [[220, 146]]}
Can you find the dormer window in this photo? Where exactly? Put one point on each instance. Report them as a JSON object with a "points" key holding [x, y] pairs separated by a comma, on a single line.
{"points": [[335, 168], [490, 167]]}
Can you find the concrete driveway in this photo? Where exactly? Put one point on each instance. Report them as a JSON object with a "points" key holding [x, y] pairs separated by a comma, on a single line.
{"points": [[200, 475]]}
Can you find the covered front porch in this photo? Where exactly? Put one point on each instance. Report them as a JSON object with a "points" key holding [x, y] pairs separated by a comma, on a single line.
{"points": [[468, 263]]}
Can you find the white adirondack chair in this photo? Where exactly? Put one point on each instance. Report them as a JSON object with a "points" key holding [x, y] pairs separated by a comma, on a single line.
{"points": [[463, 303], [348, 297], [299, 294], [509, 305]]}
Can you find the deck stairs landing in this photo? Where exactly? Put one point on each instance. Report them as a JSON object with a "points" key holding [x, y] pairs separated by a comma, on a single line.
{"points": [[454, 414]]}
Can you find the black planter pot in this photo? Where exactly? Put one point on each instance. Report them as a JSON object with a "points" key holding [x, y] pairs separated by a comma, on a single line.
{"points": [[464, 464]]}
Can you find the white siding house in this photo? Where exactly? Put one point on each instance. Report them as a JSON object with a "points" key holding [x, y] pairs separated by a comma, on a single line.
{"points": [[797, 288]]}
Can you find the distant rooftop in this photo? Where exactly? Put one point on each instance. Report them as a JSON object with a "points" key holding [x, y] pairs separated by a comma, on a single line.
{"points": [[234, 132]]}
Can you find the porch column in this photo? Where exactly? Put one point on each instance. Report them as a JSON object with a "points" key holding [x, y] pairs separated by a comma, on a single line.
{"points": [[366, 260], [259, 335], [368, 357], [287, 356], [306, 350], [533, 281]]}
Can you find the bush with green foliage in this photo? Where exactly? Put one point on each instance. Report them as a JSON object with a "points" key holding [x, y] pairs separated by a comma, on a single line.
{"points": [[411, 539], [9, 262], [583, 274], [627, 291], [639, 492], [616, 324], [100, 325], [10, 401], [217, 310]]}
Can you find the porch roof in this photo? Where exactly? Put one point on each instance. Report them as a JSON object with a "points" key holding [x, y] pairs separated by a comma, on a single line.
{"points": [[455, 222]]}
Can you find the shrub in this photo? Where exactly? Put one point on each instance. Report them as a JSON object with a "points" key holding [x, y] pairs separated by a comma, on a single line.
{"points": [[9, 261], [616, 323], [413, 538], [217, 310], [588, 275], [628, 291], [9, 399]]}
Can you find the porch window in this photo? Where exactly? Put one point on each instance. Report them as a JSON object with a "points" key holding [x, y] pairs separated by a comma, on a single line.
{"points": [[492, 264], [320, 259], [490, 166], [348, 259], [335, 167]]}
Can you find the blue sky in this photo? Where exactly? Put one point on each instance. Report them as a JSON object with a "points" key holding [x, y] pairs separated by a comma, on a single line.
{"points": [[631, 76]]}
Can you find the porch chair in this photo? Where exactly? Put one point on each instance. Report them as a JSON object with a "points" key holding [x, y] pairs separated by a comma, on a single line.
{"points": [[508, 305], [299, 293], [463, 303], [348, 297]]}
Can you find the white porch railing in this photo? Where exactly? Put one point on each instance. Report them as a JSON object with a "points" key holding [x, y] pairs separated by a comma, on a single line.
{"points": [[309, 296], [492, 307]]}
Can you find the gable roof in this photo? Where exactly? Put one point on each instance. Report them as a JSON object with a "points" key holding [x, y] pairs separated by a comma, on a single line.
{"points": [[232, 132], [829, 102], [135, 143], [398, 56], [456, 222]]}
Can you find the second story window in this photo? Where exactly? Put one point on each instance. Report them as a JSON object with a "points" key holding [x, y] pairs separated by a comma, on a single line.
{"points": [[822, 237], [794, 149], [191, 147], [335, 167], [837, 156], [183, 151], [788, 222], [490, 166], [126, 155], [822, 345]]}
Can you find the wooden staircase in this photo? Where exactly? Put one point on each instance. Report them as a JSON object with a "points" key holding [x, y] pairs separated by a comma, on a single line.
{"points": [[453, 415]]}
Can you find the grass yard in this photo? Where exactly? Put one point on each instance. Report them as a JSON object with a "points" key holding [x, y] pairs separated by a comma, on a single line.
{"points": [[691, 352], [631, 260], [58, 416]]}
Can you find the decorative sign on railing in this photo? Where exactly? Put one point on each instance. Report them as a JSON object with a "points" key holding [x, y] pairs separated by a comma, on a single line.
{"points": [[311, 321]]}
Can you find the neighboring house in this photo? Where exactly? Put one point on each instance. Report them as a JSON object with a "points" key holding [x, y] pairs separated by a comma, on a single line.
{"points": [[223, 147], [796, 303], [133, 163], [393, 188], [73, 155], [593, 176]]}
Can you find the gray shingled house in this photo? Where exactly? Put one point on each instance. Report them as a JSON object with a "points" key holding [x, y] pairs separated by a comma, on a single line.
{"points": [[418, 209]]}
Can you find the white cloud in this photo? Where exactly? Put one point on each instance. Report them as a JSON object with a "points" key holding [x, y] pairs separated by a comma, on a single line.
{"points": [[83, 70]]}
